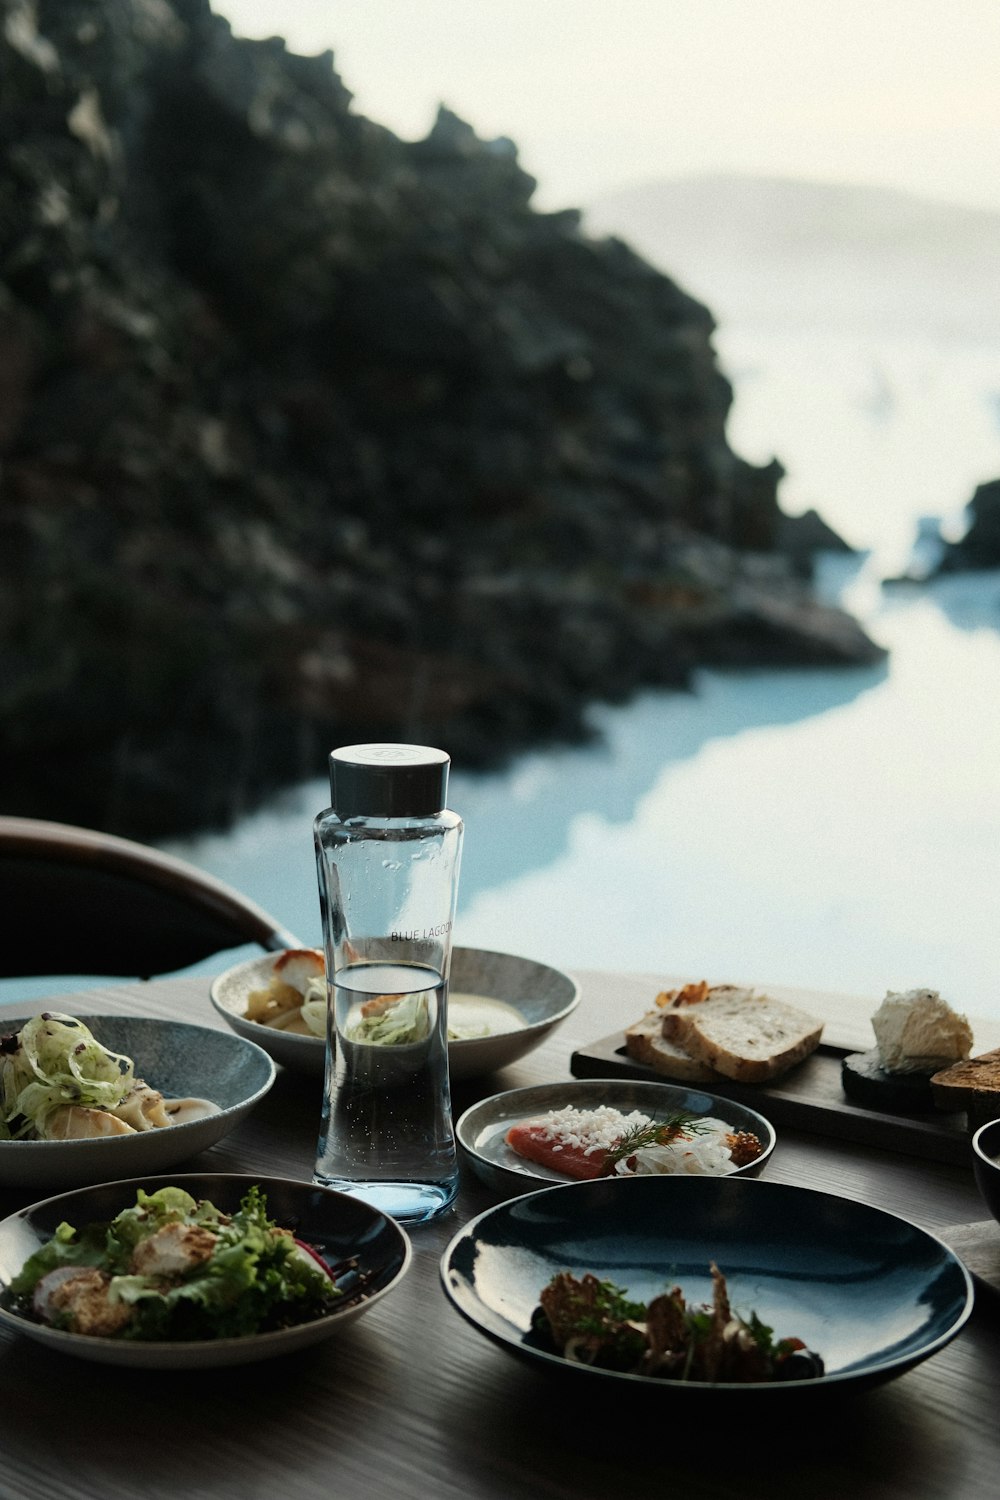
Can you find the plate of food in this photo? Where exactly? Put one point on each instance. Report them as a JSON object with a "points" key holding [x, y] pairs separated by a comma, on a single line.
{"points": [[89, 1100], [190, 1271], [703, 1285], [562, 1132], [500, 1006], [921, 1089]]}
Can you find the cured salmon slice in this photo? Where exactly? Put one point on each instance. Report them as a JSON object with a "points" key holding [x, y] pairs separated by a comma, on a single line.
{"points": [[588, 1143], [536, 1142]]}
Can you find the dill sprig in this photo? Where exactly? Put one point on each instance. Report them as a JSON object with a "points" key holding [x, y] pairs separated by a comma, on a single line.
{"points": [[656, 1133]]}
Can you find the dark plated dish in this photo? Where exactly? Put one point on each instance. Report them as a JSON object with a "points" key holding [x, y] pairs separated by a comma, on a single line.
{"points": [[482, 1129], [340, 1227], [986, 1165], [868, 1291]]}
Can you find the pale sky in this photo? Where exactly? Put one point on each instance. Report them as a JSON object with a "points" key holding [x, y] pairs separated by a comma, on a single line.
{"points": [[600, 93]]}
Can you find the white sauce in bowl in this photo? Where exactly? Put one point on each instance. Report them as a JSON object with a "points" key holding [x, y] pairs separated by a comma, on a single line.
{"points": [[471, 1016], [183, 1110]]}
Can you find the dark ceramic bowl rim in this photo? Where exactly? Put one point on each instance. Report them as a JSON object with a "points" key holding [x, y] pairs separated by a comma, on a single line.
{"points": [[979, 1148], [486, 1320], [986, 1165], [379, 1227]]}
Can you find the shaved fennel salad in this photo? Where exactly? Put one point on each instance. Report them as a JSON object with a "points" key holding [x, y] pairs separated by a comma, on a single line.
{"points": [[57, 1082]]}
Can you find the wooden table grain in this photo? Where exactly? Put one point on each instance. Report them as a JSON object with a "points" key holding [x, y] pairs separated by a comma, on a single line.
{"points": [[410, 1401]]}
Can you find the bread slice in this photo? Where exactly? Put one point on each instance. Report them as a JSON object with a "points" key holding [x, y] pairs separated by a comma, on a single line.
{"points": [[644, 1040], [974, 1082], [747, 1037]]}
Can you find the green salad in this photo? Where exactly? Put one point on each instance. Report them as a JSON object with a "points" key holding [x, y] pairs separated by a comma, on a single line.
{"points": [[173, 1268]]}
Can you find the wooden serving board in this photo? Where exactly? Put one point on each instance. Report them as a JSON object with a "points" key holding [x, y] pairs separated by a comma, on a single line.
{"points": [[810, 1097]]}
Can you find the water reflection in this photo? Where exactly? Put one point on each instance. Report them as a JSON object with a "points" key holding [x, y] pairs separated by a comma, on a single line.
{"points": [[970, 601], [522, 820], [833, 828]]}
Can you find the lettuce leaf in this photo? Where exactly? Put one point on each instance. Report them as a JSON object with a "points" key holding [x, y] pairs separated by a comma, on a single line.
{"points": [[255, 1279]]}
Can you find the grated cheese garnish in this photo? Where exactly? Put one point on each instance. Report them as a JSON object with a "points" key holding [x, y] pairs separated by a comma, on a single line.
{"points": [[587, 1130]]}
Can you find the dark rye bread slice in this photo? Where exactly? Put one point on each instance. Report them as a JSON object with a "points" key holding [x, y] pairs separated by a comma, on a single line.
{"points": [[972, 1084], [645, 1042], [746, 1036]]}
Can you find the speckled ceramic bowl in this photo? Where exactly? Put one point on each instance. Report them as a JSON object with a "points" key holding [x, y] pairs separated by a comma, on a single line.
{"points": [[543, 995], [182, 1062]]}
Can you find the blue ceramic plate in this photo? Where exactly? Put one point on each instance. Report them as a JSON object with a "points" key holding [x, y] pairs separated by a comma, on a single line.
{"points": [[482, 1130], [868, 1291], [228, 1075], [338, 1226]]}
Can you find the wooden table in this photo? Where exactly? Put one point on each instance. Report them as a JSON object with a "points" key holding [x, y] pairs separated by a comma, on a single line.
{"points": [[410, 1401]]}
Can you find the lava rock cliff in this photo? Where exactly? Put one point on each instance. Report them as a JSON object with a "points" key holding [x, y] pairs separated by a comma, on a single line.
{"points": [[309, 434]]}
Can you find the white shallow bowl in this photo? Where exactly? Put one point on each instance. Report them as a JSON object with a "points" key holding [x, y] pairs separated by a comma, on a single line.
{"points": [[544, 996], [338, 1226], [180, 1060]]}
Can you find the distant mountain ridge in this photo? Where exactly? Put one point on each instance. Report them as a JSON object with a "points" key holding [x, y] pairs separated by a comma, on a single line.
{"points": [[784, 250]]}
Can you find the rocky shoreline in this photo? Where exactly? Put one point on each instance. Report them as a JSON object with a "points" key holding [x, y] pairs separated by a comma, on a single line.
{"points": [[310, 434]]}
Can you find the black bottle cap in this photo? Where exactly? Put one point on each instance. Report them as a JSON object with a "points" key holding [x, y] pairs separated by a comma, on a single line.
{"points": [[388, 781]]}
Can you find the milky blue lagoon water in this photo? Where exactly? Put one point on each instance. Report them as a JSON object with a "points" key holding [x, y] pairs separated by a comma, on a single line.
{"points": [[837, 829], [830, 829]]}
